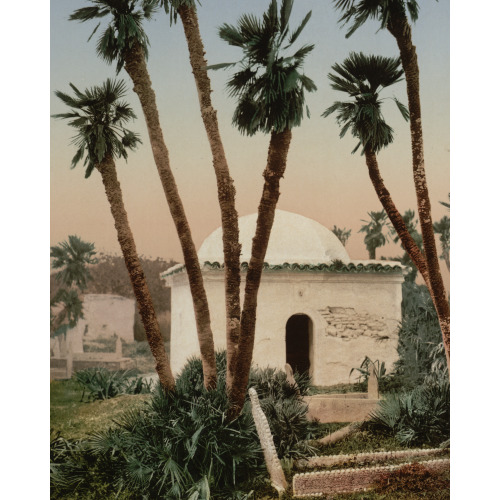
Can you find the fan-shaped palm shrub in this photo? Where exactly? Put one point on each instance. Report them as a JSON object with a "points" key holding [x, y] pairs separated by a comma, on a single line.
{"points": [[417, 417], [183, 445], [100, 383]]}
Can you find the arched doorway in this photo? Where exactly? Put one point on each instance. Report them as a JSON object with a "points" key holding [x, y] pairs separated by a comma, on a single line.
{"points": [[298, 342]]}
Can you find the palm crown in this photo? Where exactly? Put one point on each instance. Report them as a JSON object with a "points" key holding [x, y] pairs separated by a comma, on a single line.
{"points": [[99, 116], [72, 258], [269, 87], [374, 229], [357, 12], [363, 77], [124, 29]]}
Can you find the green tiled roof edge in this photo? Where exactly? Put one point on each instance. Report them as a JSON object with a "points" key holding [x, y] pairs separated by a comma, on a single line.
{"points": [[334, 267]]}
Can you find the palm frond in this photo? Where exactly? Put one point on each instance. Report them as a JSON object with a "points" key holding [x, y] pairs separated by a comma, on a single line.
{"points": [[402, 108], [362, 78], [295, 34], [269, 87], [99, 116]]}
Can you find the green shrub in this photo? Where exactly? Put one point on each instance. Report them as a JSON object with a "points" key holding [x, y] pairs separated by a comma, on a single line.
{"points": [[182, 445], [101, 383], [416, 417], [285, 410], [420, 347]]}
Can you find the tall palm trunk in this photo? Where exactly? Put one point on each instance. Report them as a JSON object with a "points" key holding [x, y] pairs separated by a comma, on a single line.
{"points": [[225, 186], [398, 26], [107, 170], [395, 217], [275, 168], [135, 65]]}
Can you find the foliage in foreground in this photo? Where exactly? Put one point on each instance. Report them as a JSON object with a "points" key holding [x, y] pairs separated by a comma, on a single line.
{"points": [[100, 383], [421, 356], [182, 445], [416, 417]]}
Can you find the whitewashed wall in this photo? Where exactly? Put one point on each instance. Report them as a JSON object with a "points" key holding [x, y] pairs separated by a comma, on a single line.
{"points": [[353, 315]]}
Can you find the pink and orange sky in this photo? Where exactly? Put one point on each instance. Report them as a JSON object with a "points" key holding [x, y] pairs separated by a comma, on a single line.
{"points": [[323, 181]]}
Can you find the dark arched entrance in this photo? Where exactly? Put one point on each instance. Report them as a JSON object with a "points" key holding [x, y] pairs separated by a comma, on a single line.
{"points": [[298, 342]]}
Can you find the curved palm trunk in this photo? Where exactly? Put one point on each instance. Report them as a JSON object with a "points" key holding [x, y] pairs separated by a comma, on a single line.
{"points": [[107, 170], [398, 26], [135, 65], [395, 217], [275, 168], [225, 186]]}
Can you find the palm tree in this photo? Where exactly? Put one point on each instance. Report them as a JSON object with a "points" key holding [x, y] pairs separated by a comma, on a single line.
{"points": [[99, 118], [72, 258], [186, 10], [69, 307], [392, 16], [342, 234], [125, 41], [363, 78], [270, 89], [374, 229]]}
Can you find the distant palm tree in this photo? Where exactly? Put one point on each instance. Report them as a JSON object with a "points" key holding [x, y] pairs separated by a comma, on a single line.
{"points": [[342, 234], [125, 42], [72, 258], [392, 15], [69, 307], [99, 118], [270, 88], [363, 78], [374, 229]]}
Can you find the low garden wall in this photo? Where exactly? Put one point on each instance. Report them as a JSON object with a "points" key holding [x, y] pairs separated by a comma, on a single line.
{"points": [[353, 407]]}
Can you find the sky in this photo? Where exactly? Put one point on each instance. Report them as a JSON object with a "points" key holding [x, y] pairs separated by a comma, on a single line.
{"points": [[323, 180]]}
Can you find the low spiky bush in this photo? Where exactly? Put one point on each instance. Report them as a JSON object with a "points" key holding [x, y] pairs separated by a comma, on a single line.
{"points": [[101, 383], [285, 410], [182, 445], [416, 417]]}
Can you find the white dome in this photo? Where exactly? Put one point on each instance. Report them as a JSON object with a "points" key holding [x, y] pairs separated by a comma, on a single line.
{"points": [[295, 239]]}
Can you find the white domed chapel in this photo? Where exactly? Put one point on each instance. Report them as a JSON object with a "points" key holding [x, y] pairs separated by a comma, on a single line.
{"points": [[318, 310]]}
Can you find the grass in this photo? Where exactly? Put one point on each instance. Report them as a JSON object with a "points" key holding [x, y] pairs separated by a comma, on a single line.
{"points": [[75, 419]]}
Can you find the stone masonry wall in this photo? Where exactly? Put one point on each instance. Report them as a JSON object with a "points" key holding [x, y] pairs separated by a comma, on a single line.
{"points": [[346, 323]]}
